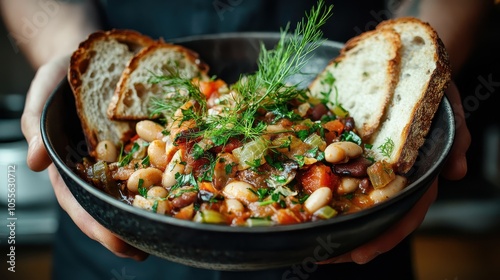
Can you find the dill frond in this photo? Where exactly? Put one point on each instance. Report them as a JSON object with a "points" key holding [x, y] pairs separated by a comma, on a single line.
{"points": [[267, 88]]}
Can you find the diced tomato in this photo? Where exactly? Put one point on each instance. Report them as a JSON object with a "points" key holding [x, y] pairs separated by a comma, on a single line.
{"points": [[185, 213], [135, 137], [333, 130], [207, 186], [318, 175], [285, 217], [231, 144], [209, 87], [334, 126], [130, 144]]}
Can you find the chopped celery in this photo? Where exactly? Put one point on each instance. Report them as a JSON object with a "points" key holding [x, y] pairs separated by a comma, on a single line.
{"points": [[101, 176], [326, 212], [339, 111], [258, 222], [209, 217], [316, 141]]}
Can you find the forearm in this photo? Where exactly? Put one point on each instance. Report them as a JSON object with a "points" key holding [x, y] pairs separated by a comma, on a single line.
{"points": [[458, 23], [45, 29]]}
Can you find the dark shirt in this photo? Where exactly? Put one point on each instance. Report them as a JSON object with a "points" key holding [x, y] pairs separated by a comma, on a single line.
{"points": [[78, 257], [174, 18]]}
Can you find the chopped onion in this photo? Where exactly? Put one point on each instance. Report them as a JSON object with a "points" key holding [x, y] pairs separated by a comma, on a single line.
{"points": [[381, 174], [250, 153]]}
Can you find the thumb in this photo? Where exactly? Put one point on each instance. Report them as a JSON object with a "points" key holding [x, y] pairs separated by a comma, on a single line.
{"points": [[44, 82]]}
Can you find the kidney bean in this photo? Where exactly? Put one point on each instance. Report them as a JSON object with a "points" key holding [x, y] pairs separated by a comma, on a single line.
{"points": [[355, 168], [184, 199], [318, 111], [349, 124], [365, 186]]}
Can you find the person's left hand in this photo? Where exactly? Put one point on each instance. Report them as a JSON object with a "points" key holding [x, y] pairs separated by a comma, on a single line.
{"points": [[454, 169]]}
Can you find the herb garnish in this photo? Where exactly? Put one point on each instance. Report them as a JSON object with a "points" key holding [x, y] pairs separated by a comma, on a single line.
{"points": [[266, 88], [387, 148], [124, 160]]}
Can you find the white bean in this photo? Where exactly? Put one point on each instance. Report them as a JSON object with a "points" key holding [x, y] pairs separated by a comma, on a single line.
{"points": [[106, 151], [233, 205], [351, 149], [390, 190], [174, 166], [334, 154], [318, 199], [157, 155], [170, 149], [149, 130], [150, 176], [142, 202], [157, 192], [347, 185], [241, 191], [162, 206], [339, 152]]}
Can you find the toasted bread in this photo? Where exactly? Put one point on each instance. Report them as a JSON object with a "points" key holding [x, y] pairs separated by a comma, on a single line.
{"points": [[95, 69], [133, 93], [365, 75], [425, 74]]}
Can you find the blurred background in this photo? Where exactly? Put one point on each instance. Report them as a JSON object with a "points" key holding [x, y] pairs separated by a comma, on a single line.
{"points": [[459, 239]]}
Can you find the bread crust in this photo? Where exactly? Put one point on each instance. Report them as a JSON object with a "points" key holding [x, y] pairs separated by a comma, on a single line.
{"points": [[124, 83], [79, 64], [133, 39], [424, 111]]}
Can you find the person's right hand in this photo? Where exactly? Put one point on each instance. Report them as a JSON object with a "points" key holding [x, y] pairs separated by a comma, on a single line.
{"points": [[45, 81]]}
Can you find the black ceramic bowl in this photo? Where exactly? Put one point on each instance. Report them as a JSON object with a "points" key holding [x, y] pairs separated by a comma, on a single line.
{"points": [[236, 248]]}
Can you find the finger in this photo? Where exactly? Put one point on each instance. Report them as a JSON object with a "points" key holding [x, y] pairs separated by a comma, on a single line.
{"points": [[89, 225], [44, 82], [456, 165], [393, 236]]}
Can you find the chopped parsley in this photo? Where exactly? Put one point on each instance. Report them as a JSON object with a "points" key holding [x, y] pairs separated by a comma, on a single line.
{"points": [[124, 160]]}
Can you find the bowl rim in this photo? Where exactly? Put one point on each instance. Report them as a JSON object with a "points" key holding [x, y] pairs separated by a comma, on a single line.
{"points": [[114, 202], [244, 35]]}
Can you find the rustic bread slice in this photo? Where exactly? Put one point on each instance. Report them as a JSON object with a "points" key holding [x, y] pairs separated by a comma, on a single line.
{"points": [[425, 74], [362, 78], [133, 95], [95, 69]]}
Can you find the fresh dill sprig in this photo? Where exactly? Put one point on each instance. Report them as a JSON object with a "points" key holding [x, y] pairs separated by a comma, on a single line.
{"points": [[291, 53], [387, 147], [266, 88], [183, 91]]}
